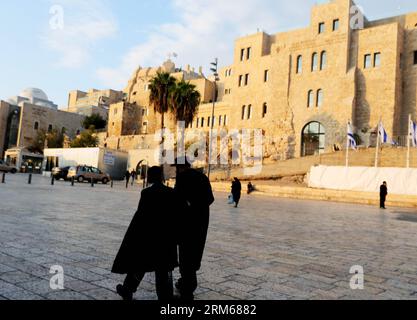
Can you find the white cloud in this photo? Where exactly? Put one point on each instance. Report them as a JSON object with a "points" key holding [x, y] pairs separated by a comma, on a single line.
{"points": [[206, 29], [85, 23]]}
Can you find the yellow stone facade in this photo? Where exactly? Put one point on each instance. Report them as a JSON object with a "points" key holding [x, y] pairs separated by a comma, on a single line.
{"points": [[330, 73]]}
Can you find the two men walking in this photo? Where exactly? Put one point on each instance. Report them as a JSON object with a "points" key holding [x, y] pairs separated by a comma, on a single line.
{"points": [[167, 219]]}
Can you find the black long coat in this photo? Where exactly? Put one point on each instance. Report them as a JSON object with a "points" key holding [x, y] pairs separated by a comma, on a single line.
{"points": [[195, 190], [150, 243], [236, 190]]}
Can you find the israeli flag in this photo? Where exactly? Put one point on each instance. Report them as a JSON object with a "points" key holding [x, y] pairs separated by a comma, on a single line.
{"points": [[384, 135], [413, 133], [351, 138]]}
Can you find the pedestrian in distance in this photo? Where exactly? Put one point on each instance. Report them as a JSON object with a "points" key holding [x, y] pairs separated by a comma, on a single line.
{"points": [[236, 191], [383, 195], [127, 177], [150, 243], [251, 188], [133, 175], [194, 190]]}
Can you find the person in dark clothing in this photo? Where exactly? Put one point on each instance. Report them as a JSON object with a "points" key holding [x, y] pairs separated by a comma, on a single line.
{"points": [[133, 175], [383, 195], [150, 244], [194, 189], [236, 191], [127, 177], [251, 188]]}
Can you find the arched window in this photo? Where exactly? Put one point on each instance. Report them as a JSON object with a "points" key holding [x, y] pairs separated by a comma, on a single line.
{"points": [[202, 122], [319, 98], [243, 112], [36, 126], [323, 60], [299, 64], [314, 61], [310, 99], [313, 139]]}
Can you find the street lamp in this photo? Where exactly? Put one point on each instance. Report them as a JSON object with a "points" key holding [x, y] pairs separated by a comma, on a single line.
{"points": [[214, 69]]}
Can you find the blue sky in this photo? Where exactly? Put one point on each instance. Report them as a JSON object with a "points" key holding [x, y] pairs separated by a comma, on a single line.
{"points": [[103, 41]]}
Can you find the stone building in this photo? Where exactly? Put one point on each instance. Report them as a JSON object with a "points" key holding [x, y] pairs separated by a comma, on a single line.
{"points": [[20, 121], [93, 101], [301, 87]]}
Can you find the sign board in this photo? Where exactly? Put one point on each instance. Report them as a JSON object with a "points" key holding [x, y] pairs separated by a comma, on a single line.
{"points": [[109, 159]]}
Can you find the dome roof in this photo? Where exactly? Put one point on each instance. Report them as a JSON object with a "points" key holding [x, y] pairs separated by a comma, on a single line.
{"points": [[31, 93]]}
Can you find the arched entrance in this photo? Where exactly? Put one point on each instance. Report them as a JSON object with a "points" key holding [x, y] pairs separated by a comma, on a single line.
{"points": [[313, 139]]}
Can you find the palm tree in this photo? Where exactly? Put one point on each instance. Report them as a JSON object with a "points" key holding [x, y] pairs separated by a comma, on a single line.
{"points": [[160, 90], [184, 102]]}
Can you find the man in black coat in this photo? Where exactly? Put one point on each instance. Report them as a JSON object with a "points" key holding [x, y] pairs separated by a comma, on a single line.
{"points": [[383, 195], [236, 191], [194, 189], [127, 177], [150, 244]]}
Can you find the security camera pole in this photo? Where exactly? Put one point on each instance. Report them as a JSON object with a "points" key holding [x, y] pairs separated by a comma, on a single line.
{"points": [[214, 69]]}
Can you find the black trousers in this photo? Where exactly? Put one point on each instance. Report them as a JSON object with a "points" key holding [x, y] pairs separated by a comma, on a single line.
{"points": [[188, 283], [163, 282], [382, 201]]}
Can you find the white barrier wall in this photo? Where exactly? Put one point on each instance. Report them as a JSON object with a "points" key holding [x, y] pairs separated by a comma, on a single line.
{"points": [[369, 179]]}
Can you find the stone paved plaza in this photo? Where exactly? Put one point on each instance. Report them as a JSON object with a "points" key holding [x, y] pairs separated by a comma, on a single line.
{"points": [[267, 249]]}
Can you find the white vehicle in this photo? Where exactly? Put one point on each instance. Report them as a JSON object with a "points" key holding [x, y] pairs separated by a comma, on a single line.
{"points": [[4, 167]]}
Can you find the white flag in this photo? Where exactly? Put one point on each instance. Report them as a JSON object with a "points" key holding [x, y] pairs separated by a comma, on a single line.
{"points": [[413, 133], [351, 138]]}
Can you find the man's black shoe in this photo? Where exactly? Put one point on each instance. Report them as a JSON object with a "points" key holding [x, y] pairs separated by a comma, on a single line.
{"points": [[127, 296]]}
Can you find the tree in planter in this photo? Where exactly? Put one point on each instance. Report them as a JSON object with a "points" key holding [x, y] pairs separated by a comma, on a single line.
{"points": [[87, 139], [95, 120]]}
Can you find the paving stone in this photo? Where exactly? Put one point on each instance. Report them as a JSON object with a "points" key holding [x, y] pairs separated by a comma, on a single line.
{"points": [[270, 248]]}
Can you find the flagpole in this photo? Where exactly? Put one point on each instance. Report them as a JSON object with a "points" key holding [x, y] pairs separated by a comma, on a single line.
{"points": [[347, 146], [377, 145], [409, 141]]}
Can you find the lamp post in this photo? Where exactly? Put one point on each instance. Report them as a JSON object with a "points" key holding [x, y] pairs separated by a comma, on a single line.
{"points": [[214, 69]]}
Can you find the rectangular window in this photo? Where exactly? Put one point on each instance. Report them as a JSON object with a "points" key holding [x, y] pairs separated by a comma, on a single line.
{"points": [[208, 121], [202, 122], [335, 24], [198, 122], [242, 54], [266, 76], [225, 120], [377, 59], [240, 80], [243, 112], [415, 57], [246, 79], [248, 53], [249, 112], [264, 110], [321, 27], [220, 120], [367, 61]]}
